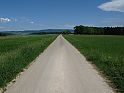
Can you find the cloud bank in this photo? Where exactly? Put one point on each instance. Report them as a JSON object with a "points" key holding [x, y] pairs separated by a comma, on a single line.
{"points": [[114, 5]]}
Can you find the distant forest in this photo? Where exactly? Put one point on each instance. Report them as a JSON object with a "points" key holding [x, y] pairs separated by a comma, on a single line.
{"points": [[5, 34], [98, 30]]}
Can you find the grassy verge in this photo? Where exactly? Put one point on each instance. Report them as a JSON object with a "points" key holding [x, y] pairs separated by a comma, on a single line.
{"points": [[18, 52], [106, 52]]}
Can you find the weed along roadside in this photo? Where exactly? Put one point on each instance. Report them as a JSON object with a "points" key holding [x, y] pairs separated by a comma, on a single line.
{"points": [[16, 53], [106, 52]]}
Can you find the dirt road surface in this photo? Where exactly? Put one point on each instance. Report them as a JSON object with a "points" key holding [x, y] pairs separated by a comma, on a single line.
{"points": [[60, 69]]}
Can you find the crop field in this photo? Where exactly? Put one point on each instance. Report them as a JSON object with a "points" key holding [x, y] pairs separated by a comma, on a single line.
{"points": [[17, 52], [106, 52]]}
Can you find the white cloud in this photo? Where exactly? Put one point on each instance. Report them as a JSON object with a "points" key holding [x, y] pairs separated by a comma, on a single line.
{"points": [[32, 22], [5, 20], [114, 5], [69, 25]]}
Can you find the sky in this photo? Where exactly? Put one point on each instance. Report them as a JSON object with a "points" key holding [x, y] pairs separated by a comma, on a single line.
{"points": [[59, 14]]}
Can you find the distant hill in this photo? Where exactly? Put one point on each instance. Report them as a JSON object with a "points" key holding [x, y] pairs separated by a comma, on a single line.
{"points": [[26, 32]]}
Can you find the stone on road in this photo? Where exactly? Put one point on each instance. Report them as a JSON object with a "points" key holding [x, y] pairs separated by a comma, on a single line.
{"points": [[60, 69]]}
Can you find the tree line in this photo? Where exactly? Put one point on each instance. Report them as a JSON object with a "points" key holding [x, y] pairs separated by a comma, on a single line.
{"points": [[98, 30], [5, 34]]}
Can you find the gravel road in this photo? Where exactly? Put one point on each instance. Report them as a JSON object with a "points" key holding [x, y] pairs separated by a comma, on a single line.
{"points": [[60, 69]]}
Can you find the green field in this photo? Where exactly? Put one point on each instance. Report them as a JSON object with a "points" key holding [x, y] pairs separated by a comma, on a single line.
{"points": [[17, 52], [106, 52]]}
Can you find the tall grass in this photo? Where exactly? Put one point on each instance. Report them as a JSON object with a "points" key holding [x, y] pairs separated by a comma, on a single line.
{"points": [[18, 52], [106, 52]]}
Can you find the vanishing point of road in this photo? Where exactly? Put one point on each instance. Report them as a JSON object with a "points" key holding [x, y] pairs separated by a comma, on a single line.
{"points": [[60, 69]]}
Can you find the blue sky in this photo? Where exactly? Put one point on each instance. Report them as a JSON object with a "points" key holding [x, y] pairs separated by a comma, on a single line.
{"points": [[45, 14]]}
